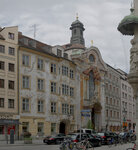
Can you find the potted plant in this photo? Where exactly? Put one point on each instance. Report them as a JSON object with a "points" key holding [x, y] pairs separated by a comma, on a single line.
{"points": [[27, 138]]}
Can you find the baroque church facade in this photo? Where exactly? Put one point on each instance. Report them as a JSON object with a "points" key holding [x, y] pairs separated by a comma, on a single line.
{"points": [[60, 89]]}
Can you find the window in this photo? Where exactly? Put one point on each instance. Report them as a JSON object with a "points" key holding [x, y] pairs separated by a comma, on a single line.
{"points": [[53, 107], [65, 89], [114, 114], [59, 52], [2, 49], [2, 65], [2, 102], [91, 58], [11, 84], [1, 129], [106, 100], [65, 109], [65, 70], [53, 128], [40, 84], [25, 127], [71, 91], [53, 68], [110, 101], [1, 83], [114, 102], [40, 64], [25, 82], [11, 51], [106, 85], [107, 113], [40, 127], [71, 74], [117, 102], [25, 60], [110, 113], [10, 103], [117, 114], [11, 67], [40, 106], [72, 110], [111, 87], [25, 104], [53, 87], [11, 36]]}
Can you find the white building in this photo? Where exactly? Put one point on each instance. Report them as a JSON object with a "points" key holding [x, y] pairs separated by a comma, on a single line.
{"points": [[128, 104]]}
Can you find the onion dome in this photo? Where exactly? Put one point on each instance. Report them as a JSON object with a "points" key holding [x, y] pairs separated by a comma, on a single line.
{"points": [[127, 25]]}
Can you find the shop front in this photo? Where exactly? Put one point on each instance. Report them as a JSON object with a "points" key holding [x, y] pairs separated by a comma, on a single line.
{"points": [[6, 125]]}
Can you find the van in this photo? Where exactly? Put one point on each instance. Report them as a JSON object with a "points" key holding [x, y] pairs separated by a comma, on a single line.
{"points": [[90, 131]]}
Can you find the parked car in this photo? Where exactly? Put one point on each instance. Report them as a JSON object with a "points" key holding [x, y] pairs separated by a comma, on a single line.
{"points": [[85, 130], [54, 139], [77, 137], [106, 137]]}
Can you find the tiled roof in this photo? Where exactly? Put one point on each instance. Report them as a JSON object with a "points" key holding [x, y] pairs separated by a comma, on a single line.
{"points": [[1, 37], [39, 46]]}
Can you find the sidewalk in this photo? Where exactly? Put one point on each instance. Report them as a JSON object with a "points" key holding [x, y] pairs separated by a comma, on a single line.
{"points": [[20, 143]]}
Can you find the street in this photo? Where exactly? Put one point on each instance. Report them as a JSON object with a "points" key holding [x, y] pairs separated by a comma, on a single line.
{"points": [[56, 147]]}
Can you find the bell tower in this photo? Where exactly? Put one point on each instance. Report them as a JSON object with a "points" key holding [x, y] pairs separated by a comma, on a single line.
{"points": [[77, 32]]}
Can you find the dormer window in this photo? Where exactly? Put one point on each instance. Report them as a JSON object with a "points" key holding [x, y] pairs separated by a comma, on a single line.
{"points": [[11, 35], [59, 53], [91, 58]]}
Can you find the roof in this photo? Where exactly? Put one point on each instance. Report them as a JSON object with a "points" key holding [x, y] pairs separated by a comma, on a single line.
{"points": [[1, 37], [73, 46], [77, 21], [40, 47], [127, 25]]}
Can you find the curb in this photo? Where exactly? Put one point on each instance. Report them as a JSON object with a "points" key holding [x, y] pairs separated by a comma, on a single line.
{"points": [[9, 145]]}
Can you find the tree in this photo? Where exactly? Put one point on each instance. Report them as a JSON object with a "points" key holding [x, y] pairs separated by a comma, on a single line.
{"points": [[90, 125]]}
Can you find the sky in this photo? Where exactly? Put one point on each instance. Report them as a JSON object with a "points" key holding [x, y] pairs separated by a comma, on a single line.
{"points": [[53, 19]]}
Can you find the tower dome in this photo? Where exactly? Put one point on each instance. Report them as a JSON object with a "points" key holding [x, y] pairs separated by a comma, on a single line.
{"points": [[127, 25], [77, 29]]}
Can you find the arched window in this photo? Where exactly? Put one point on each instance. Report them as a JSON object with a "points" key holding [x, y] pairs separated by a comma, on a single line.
{"points": [[91, 84], [91, 58]]}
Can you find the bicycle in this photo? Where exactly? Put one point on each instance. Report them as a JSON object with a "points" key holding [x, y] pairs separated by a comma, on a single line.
{"points": [[112, 142], [84, 145], [67, 144]]}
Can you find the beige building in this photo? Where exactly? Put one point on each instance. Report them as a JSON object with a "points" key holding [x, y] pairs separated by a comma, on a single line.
{"points": [[8, 81], [47, 89]]}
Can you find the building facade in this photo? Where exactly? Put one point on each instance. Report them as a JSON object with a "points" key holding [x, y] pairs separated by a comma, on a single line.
{"points": [[128, 104], [48, 90], [112, 99], [9, 117]]}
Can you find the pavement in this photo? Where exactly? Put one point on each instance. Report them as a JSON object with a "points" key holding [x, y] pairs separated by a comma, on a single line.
{"points": [[21, 143]]}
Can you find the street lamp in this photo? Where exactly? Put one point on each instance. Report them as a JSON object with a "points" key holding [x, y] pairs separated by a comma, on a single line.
{"points": [[124, 118]]}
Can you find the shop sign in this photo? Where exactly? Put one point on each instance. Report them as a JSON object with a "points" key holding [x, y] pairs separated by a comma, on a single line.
{"points": [[6, 116]]}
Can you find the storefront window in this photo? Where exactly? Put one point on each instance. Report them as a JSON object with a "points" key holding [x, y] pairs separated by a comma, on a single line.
{"points": [[1, 129]]}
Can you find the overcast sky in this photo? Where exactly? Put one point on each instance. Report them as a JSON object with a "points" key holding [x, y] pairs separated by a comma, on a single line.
{"points": [[54, 17]]}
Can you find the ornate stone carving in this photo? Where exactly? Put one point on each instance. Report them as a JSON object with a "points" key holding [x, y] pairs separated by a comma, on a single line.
{"points": [[133, 59]]}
